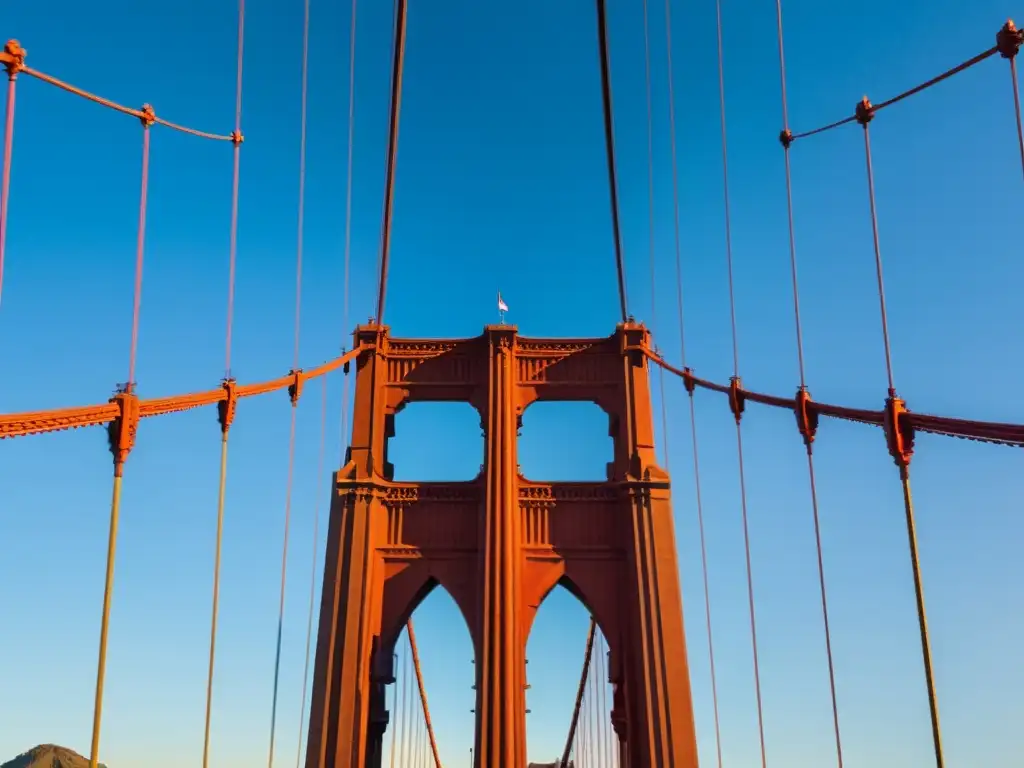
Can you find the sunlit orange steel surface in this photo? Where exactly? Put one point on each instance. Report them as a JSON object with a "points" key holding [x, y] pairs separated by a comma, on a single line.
{"points": [[500, 543]]}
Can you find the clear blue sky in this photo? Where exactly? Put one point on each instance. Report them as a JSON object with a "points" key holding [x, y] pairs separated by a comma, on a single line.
{"points": [[501, 185]]}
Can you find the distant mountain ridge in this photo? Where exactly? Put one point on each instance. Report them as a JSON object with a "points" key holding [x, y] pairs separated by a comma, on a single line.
{"points": [[49, 756]]}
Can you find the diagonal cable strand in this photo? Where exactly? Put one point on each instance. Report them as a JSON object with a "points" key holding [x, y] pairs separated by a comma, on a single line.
{"points": [[808, 435], [905, 94]]}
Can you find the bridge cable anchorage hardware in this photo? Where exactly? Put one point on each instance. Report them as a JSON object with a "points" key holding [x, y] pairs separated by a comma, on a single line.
{"points": [[122, 430], [806, 416], [1009, 40], [899, 431], [786, 138], [147, 115], [864, 112], [295, 388], [237, 138], [227, 407], [689, 381], [737, 397], [13, 58]]}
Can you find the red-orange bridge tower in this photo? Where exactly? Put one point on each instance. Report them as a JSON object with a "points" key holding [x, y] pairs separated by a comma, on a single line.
{"points": [[500, 543]]}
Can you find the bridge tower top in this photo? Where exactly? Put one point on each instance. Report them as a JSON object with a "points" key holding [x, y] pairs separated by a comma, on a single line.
{"points": [[611, 371]]}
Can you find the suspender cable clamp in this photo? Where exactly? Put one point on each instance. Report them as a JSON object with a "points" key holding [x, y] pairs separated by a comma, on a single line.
{"points": [[899, 432], [865, 111], [122, 430], [13, 58], [1008, 40], [295, 388], [737, 398], [806, 416], [226, 408]]}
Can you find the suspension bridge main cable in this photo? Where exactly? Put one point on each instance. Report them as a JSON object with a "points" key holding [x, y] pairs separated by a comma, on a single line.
{"points": [[609, 142], [226, 413], [688, 382], [295, 391], [807, 422], [735, 399], [389, 175]]}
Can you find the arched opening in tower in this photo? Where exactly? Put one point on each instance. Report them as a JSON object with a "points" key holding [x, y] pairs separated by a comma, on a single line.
{"points": [[436, 442], [443, 651], [565, 441], [555, 652]]}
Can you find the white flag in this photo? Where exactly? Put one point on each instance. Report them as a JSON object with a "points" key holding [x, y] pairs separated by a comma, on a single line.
{"points": [[502, 306]]}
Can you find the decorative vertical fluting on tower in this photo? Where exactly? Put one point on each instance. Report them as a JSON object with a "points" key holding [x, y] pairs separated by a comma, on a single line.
{"points": [[500, 708]]}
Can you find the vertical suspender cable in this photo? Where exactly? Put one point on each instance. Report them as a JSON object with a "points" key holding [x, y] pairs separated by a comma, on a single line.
{"points": [[650, 229], [735, 398], [599, 681], [394, 708], [226, 411], [689, 388], [121, 439], [313, 574], [345, 437], [806, 425], [612, 739], [13, 59], [609, 142], [406, 730], [900, 440], [295, 389]]}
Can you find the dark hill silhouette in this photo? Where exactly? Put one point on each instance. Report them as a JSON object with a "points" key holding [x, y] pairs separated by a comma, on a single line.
{"points": [[49, 756]]}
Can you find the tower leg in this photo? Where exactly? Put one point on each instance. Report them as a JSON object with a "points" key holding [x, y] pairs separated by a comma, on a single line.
{"points": [[661, 731], [341, 693], [500, 707]]}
